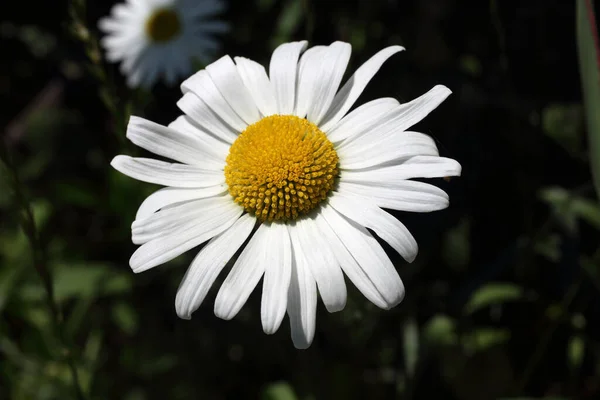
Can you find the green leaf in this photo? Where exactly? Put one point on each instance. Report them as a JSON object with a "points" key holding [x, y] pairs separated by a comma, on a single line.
{"points": [[484, 338], [563, 123], [440, 330], [125, 317], [575, 351], [493, 293], [570, 207], [9, 277], [87, 280], [279, 391], [589, 66], [410, 336]]}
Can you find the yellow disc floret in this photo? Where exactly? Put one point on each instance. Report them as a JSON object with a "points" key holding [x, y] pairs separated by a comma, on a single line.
{"points": [[281, 167], [163, 25]]}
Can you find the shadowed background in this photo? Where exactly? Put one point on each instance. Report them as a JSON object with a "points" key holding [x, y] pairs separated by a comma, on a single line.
{"points": [[502, 301]]}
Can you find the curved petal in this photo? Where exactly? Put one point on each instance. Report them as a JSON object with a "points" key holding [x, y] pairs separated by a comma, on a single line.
{"points": [[322, 263], [414, 167], [214, 146], [402, 117], [196, 232], [348, 94], [307, 79], [225, 76], [244, 276], [282, 71], [208, 264], [169, 143], [396, 148], [383, 224], [256, 80], [302, 300], [369, 254], [350, 266], [171, 219], [167, 174], [197, 109], [405, 195], [203, 86], [329, 71], [362, 119], [276, 282], [168, 196]]}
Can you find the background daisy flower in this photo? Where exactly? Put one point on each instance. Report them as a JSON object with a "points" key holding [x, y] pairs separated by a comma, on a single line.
{"points": [[159, 39], [278, 162]]}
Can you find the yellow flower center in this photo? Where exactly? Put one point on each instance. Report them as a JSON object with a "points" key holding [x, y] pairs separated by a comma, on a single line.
{"points": [[280, 168], [163, 25]]}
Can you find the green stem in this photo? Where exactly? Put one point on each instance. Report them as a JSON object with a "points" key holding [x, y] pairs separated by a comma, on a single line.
{"points": [[40, 263]]}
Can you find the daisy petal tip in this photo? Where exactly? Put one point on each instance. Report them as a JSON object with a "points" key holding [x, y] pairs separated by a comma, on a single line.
{"points": [[184, 315], [337, 306], [271, 329], [301, 345], [397, 48], [442, 91], [182, 311], [457, 169], [118, 161], [222, 312]]}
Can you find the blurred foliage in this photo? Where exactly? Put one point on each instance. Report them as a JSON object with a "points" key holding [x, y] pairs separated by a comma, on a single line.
{"points": [[501, 302]]}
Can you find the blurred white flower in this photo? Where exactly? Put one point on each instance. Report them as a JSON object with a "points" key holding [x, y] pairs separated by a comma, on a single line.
{"points": [[158, 39], [278, 162]]}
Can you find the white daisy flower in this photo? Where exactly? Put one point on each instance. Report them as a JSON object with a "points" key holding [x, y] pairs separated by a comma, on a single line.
{"points": [[278, 162], [160, 38]]}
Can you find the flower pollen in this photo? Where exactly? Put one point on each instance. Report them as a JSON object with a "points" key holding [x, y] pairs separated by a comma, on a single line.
{"points": [[281, 167], [163, 25]]}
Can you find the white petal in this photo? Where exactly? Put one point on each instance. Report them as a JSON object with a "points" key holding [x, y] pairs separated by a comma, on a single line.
{"points": [[177, 217], [302, 300], [395, 148], [276, 282], [322, 263], [244, 276], [383, 224], [203, 86], [169, 143], [207, 265], [282, 72], [350, 266], [329, 72], [167, 174], [168, 196], [215, 147], [402, 117], [207, 131], [414, 167], [362, 119], [163, 249], [405, 195], [348, 94], [307, 79], [225, 76], [256, 80], [369, 254]]}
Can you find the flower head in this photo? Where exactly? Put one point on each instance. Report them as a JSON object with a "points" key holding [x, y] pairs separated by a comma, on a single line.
{"points": [[156, 39], [275, 168]]}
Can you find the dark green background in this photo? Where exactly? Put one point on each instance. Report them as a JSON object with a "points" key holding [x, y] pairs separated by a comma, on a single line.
{"points": [[502, 301]]}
